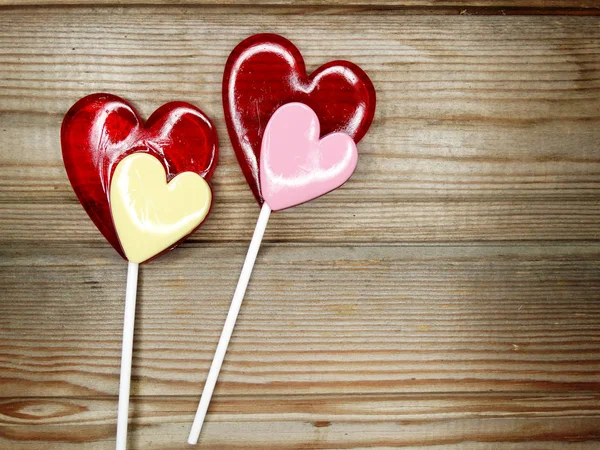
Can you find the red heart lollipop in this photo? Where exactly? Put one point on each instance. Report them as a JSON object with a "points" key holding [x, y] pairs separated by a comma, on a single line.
{"points": [[276, 115], [265, 72], [101, 129]]}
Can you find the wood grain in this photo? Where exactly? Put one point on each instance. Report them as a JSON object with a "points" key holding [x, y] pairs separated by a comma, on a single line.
{"points": [[465, 421], [473, 140], [336, 319], [428, 5], [447, 297]]}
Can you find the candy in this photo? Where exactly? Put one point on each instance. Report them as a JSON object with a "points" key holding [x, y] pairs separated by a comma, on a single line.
{"points": [[265, 72], [287, 162], [102, 129], [145, 186], [295, 166], [151, 215]]}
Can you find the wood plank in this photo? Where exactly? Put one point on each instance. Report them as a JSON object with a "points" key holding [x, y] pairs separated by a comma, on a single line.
{"points": [[486, 129], [327, 222], [328, 320], [413, 421], [427, 4]]}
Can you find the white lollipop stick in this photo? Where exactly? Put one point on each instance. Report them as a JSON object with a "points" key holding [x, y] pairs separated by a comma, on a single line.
{"points": [[124, 383], [234, 310]]}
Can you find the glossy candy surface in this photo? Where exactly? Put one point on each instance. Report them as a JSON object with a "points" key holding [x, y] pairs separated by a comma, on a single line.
{"points": [[149, 214], [102, 129], [295, 165], [266, 71]]}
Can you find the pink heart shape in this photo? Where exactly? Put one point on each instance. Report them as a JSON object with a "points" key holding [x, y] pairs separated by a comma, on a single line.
{"points": [[295, 166]]}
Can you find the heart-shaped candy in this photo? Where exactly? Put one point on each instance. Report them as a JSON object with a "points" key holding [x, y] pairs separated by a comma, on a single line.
{"points": [[265, 72], [102, 129], [149, 214], [295, 166]]}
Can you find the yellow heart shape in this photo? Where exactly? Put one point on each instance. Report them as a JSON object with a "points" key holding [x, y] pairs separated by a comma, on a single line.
{"points": [[149, 214]]}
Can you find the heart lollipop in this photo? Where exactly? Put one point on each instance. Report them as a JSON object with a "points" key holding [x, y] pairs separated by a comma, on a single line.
{"points": [[265, 83], [266, 71], [144, 185]]}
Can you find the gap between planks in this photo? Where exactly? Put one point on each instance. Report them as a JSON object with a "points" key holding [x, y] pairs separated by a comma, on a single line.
{"points": [[468, 7]]}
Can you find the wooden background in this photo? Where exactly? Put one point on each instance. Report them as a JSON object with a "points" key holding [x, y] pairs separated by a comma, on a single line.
{"points": [[448, 297]]}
